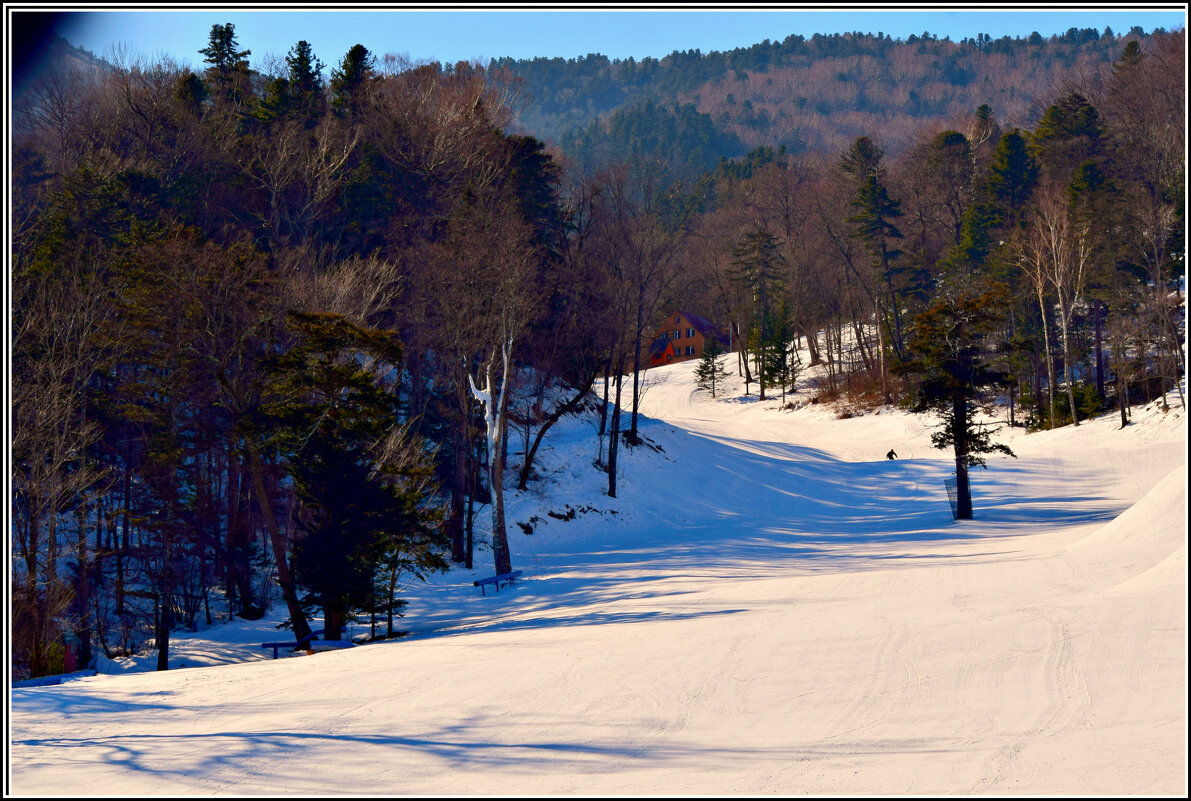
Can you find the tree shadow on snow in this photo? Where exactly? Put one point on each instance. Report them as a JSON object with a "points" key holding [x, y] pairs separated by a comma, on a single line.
{"points": [[721, 507], [370, 762]]}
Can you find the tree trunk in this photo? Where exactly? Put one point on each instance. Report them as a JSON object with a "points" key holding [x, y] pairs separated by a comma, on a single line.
{"points": [[604, 405], [85, 587], [289, 590], [1098, 321], [123, 548], [896, 339], [632, 438], [495, 415], [469, 521], [829, 352], [1050, 362], [1068, 372], [959, 432], [165, 621], [757, 356], [392, 602], [614, 434], [812, 346], [1123, 398], [551, 419], [1174, 347], [238, 538], [881, 345], [458, 488], [372, 611], [743, 359], [866, 356], [500, 537], [333, 620]]}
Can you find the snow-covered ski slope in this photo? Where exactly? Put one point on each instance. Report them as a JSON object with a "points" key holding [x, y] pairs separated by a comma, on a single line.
{"points": [[769, 606]]}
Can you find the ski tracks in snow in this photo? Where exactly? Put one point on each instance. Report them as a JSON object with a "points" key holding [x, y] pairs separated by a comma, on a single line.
{"points": [[1065, 706]]}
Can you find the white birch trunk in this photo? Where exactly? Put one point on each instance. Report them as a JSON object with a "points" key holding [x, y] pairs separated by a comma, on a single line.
{"points": [[495, 412]]}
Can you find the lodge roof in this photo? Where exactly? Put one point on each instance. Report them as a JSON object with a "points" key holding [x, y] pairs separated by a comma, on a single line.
{"points": [[658, 347], [704, 326]]}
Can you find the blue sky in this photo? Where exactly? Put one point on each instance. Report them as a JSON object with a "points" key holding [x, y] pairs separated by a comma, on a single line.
{"points": [[452, 34]]}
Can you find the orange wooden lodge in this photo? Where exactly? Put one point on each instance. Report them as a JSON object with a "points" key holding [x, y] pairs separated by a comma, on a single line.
{"points": [[683, 336]]}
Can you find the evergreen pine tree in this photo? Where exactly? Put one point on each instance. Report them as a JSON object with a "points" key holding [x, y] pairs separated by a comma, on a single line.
{"points": [[709, 373], [306, 81], [951, 347], [229, 68], [778, 366], [863, 159], [363, 486], [190, 93], [222, 51], [349, 77], [758, 267], [1068, 135], [305, 70], [1011, 177], [277, 101], [873, 221]]}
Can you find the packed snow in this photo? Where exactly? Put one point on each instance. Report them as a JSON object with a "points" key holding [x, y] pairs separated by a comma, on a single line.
{"points": [[768, 606]]}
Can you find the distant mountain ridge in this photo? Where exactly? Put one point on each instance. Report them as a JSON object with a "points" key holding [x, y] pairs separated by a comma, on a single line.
{"points": [[812, 94], [40, 61]]}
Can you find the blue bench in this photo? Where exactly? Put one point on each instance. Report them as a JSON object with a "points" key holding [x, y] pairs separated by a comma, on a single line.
{"points": [[293, 646], [506, 578]]}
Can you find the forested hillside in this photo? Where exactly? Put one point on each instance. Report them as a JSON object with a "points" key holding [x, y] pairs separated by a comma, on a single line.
{"points": [[807, 94], [273, 328]]}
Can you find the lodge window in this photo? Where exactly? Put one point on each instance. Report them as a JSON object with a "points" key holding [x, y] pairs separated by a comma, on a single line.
{"points": [[690, 333], [677, 334], [690, 350]]}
